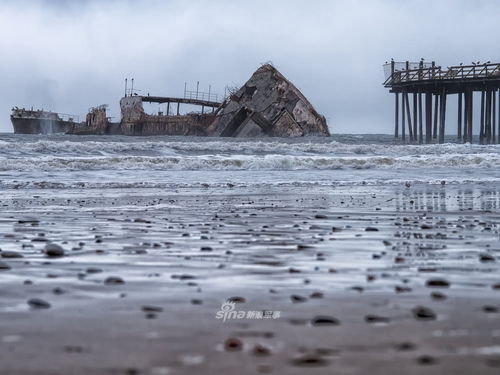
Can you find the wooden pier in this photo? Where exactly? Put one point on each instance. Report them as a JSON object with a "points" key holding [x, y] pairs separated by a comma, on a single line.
{"points": [[421, 93]]}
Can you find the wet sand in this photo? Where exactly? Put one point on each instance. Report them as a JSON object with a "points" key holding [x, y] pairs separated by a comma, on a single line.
{"points": [[379, 280]]}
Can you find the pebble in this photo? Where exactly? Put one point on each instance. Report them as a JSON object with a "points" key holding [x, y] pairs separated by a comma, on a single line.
{"points": [[10, 254], [324, 320], [316, 295], [237, 299], [93, 270], [37, 303], [53, 250], [486, 258], [297, 299], [423, 313], [437, 283], [438, 296], [304, 247], [376, 319], [309, 360], [426, 360], [152, 309], [233, 345], [399, 259], [405, 346], [402, 289], [114, 280], [490, 309], [261, 350], [183, 277]]}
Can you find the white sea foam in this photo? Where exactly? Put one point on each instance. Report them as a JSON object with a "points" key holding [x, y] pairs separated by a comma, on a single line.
{"points": [[235, 186], [291, 147], [278, 162]]}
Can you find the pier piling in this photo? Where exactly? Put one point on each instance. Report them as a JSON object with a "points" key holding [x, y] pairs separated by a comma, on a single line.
{"points": [[420, 120], [396, 116], [428, 117], [436, 112], [459, 118]]}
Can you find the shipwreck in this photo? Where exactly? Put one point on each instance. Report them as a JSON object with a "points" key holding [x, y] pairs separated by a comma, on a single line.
{"points": [[267, 105]]}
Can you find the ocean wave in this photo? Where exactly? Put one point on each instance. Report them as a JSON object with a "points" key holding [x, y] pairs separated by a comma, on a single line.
{"points": [[223, 185], [286, 147], [248, 162]]}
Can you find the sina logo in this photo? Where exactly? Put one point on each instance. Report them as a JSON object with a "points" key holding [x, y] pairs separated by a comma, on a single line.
{"points": [[228, 311]]}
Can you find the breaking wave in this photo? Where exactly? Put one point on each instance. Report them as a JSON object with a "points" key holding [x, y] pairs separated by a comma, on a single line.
{"points": [[289, 147], [249, 162]]}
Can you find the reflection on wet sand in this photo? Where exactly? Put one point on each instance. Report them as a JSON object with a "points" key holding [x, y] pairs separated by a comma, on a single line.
{"points": [[363, 278]]}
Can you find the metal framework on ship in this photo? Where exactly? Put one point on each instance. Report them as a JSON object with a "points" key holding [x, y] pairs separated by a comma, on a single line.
{"points": [[199, 98], [431, 84]]}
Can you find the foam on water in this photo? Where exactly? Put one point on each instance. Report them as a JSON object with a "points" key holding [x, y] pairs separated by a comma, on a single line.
{"points": [[62, 162], [277, 162], [13, 148]]}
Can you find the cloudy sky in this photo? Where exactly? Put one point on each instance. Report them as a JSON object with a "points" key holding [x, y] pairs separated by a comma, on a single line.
{"points": [[68, 55]]}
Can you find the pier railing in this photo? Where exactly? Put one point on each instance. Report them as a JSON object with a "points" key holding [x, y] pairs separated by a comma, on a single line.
{"points": [[198, 95], [437, 73]]}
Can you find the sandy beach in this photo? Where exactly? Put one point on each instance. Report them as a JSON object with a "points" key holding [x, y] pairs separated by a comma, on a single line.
{"points": [[366, 279]]}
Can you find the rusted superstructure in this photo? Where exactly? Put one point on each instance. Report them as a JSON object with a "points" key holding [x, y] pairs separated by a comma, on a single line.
{"points": [[267, 105], [136, 122]]}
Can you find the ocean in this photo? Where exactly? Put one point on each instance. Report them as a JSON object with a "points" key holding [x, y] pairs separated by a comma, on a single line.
{"points": [[107, 162]]}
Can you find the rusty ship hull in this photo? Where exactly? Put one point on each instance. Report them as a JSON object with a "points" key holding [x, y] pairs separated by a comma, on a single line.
{"points": [[40, 126], [40, 122]]}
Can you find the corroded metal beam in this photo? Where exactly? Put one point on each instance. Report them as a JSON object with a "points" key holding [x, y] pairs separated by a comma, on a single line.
{"points": [[161, 99]]}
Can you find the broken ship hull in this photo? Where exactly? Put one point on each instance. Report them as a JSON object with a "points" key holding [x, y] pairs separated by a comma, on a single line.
{"points": [[267, 105], [40, 126]]}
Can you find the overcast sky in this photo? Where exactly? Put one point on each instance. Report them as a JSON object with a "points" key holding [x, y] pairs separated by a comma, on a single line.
{"points": [[68, 55]]}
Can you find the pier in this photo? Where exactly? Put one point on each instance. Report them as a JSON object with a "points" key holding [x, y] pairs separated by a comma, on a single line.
{"points": [[421, 91]]}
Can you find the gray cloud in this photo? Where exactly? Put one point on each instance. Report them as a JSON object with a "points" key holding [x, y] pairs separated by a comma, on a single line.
{"points": [[70, 55]]}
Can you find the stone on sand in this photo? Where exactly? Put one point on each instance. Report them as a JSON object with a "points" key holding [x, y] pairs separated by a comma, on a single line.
{"points": [[53, 250], [38, 303], [423, 313], [10, 254], [114, 280], [324, 320]]}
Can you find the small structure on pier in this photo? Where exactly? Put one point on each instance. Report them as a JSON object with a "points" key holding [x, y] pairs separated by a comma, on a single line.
{"points": [[435, 84]]}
